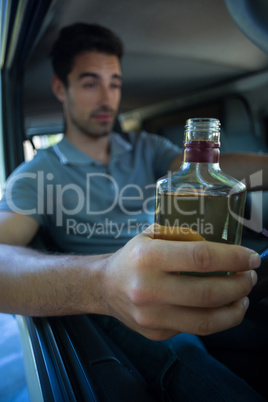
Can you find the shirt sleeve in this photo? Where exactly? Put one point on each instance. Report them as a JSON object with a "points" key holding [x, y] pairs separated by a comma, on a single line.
{"points": [[164, 154], [24, 193]]}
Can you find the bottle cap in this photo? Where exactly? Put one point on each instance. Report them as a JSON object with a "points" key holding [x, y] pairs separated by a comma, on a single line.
{"points": [[202, 129]]}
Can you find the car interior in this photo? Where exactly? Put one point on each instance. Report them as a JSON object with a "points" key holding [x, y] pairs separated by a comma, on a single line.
{"points": [[183, 59]]}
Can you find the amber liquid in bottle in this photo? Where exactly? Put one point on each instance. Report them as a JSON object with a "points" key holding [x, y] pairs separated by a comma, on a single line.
{"points": [[215, 218], [199, 201]]}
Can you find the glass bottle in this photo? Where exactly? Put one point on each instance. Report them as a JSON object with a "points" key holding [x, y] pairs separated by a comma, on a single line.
{"points": [[199, 201]]}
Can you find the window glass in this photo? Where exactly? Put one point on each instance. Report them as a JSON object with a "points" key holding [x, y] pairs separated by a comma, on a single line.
{"points": [[39, 142], [2, 164]]}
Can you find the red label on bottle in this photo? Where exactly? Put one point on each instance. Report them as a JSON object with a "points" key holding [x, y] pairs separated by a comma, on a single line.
{"points": [[201, 151]]}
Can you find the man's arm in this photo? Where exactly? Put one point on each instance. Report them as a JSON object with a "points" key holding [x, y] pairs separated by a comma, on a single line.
{"points": [[240, 166], [39, 284], [139, 285], [244, 165], [17, 229]]}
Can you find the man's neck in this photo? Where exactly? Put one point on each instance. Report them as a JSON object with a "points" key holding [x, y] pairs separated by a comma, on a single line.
{"points": [[97, 148]]}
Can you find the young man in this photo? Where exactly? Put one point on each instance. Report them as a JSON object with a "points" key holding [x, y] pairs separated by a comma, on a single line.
{"points": [[93, 193]]}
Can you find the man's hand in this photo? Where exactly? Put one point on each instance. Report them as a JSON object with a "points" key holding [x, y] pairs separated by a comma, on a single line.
{"points": [[144, 290], [140, 284]]}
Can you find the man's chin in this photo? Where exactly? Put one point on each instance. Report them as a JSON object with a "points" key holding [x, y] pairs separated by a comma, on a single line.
{"points": [[97, 132]]}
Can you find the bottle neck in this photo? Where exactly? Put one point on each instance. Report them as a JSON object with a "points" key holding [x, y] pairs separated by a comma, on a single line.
{"points": [[201, 151]]}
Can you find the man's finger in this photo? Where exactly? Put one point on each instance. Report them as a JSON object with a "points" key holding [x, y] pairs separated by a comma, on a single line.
{"points": [[196, 321], [200, 256], [205, 292]]}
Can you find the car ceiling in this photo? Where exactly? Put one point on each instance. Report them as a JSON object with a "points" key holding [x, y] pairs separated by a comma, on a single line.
{"points": [[171, 48]]}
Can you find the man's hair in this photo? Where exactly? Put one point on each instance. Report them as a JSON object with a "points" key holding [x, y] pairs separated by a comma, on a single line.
{"points": [[78, 38]]}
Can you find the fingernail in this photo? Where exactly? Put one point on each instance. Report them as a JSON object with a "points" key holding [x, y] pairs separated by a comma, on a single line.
{"points": [[254, 260], [254, 277], [246, 302]]}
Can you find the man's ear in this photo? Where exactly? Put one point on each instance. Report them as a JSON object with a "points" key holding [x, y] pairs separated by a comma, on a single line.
{"points": [[58, 88]]}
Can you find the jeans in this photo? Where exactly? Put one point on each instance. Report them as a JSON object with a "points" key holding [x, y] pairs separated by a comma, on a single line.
{"points": [[179, 369]]}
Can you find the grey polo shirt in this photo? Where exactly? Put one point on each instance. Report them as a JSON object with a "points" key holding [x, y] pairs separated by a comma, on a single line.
{"points": [[86, 206]]}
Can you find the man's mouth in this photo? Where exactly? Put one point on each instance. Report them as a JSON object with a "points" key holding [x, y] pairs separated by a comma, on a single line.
{"points": [[103, 117]]}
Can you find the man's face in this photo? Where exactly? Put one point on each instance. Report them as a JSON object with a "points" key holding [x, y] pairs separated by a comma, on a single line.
{"points": [[93, 94]]}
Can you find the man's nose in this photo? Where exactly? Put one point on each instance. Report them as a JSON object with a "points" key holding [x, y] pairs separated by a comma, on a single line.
{"points": [[106, 95]]}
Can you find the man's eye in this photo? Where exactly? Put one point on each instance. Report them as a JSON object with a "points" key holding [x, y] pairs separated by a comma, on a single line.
{"points": [[117, 86], [89, 85]]}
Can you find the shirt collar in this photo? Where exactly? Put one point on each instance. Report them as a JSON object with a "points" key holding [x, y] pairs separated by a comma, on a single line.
{"points": [[69, 154]]}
